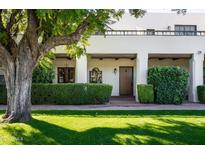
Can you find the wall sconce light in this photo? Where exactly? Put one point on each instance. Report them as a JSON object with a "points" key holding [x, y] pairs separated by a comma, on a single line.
{"points": [[115, 71], [199, 52]]}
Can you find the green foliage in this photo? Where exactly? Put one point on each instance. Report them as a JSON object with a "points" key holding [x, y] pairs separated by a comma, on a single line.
{"points": [[170, 83], [145, 93], [42, 75], [44, 72], [201, 93], [67, 93], [63, 22], [18, 27], [3, 38]]}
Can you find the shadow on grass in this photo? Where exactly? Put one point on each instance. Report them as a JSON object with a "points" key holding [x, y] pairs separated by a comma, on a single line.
{"points": [[174, 132]]}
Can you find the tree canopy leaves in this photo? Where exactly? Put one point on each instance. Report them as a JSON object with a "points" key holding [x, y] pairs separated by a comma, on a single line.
{"points": [[59, 22]]}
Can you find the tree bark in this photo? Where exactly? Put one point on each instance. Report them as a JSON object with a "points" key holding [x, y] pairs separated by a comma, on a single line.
{"points": [[18, 78], [20, 59]]}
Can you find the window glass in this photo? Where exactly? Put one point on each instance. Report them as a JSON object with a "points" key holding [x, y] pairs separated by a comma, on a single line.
{"points": [[66, 74], [181, 28], [185, 29], [192, 28], [177, 28]]}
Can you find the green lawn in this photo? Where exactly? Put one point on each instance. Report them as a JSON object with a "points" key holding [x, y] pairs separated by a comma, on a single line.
{"points": [[107, 127]]}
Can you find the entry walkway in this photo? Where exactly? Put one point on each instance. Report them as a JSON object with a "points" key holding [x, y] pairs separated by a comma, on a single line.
{"points": [[119, 106]]}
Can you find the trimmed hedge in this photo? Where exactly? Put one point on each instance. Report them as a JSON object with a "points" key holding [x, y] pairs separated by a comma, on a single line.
{"points": [[145, 93], [71, 93], [201, 93], [170, 84]]}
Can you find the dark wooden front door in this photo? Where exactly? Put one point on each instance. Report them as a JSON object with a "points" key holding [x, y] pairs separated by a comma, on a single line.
{"points": [[126, 81]]}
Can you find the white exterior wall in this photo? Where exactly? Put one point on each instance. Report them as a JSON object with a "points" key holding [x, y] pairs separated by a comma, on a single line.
{"points": [[196, 69], [142, 46], [149, 44], [160, 21], [184, 63], [81, 69], [107, 67], [145, 45]]}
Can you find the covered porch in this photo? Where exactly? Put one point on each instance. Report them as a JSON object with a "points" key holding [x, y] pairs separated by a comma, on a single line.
{"points": [[125, 71], [119, 70]]}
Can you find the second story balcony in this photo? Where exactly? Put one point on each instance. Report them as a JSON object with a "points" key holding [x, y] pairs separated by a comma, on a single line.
{"points": [[150, 32], [152, 41]]}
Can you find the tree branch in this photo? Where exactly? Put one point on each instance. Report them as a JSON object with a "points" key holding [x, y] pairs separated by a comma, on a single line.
{"points": [[32, 33], [32, 30], [1, 66], [12, 21], [5, 56], [65, 40], [1, 22], [11, 44], [3, 51]]}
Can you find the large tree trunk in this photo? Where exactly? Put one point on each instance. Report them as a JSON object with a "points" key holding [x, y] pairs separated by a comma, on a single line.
{"points": [[18, 77]]}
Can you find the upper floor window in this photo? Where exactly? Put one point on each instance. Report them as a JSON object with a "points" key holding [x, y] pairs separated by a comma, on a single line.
{"points": [[186, 30]]}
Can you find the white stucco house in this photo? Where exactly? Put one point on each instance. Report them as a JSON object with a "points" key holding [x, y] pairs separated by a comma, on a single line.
{"points": [[123, 56]]}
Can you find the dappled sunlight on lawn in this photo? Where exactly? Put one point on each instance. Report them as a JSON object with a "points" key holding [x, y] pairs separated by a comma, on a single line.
{"points": [[101, 130], [138, 139]]}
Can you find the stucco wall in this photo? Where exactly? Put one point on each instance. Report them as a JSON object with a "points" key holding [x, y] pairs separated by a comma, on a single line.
{"points": [[62, 62], [160, 21], [149, 44], [107, 67], [184, 63]]}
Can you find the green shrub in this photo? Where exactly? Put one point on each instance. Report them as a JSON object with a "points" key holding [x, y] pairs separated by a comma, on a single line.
{"points": [[43, 75], [72, 93], [44, 71], [201, 93], [170, 83], [145, 93]]}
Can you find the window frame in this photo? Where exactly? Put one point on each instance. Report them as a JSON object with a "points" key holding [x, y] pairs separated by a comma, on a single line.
{"points": [[67, 70], [185, 32]]}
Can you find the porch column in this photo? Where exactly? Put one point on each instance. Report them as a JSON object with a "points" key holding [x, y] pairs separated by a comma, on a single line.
{"points": [[141, 69], [81, 69], [196, 75]]}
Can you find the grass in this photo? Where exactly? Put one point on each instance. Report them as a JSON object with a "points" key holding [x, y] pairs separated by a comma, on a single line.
{"points": [[107, 127]]}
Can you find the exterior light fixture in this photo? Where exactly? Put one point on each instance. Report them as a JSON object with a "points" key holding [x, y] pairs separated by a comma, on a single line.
{"points": [[199, 52], [115, 71]]}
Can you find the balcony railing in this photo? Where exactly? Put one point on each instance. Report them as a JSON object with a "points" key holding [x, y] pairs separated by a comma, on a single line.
{"points": [[150, 33]]}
